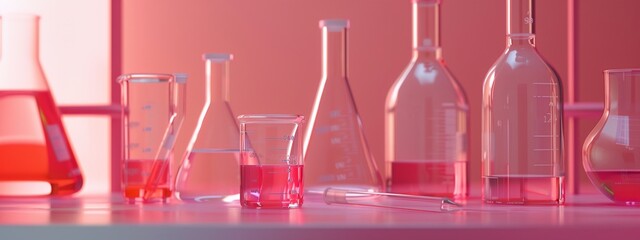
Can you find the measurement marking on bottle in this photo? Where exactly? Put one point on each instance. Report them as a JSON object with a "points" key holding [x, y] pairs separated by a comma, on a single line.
{"points": [[544, 149], [542, 165], [545, 136]]}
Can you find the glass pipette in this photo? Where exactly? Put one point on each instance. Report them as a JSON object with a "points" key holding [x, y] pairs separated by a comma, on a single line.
{"points": [[390, 200]]}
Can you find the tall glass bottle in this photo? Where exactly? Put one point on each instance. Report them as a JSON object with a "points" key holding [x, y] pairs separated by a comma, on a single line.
{"points": [[35, 155], [336, 151], [426, 118], [210, 167], [522, 138]]}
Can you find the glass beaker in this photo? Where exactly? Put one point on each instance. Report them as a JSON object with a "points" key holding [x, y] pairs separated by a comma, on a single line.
{"points": [[522, 137], [271, 163], [35, 155], [335, 150], [208, 170], [426, 118], [611, 152], [152, 113]]}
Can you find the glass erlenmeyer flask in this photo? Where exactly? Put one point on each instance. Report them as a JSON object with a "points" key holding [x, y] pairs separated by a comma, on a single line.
{"points": [[522, 120], [209, 170], [426, 118], [336, 152], [611, 152], [35, 155]]}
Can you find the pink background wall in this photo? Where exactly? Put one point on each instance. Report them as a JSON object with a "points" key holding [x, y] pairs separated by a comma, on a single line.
{"points": [[277, 50]]}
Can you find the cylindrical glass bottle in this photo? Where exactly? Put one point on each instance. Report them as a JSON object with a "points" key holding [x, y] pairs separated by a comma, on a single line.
{"points": [[35, 155], [522, 143], [611, 153], [148, 113], [209, 169], [426, 118], [336, 152]]}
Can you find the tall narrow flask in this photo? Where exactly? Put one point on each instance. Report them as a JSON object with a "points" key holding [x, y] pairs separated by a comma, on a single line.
{"points": [[35, 155], [427, 118], [210, 167], [522, 138], [336, 151]]}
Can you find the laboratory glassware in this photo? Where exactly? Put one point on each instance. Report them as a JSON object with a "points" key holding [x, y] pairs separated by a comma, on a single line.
{"points": [[390, 200], [165, 157], [271, 164], [426, 118], [335, 149], [152, 111], [522, 141], [35, 155], [611, 152], [209, 168]]}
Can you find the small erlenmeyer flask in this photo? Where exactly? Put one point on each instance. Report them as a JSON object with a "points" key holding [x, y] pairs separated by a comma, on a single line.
{"points": [[426, 118], [35, 155], [336, 152], [611, 153], [522, 138], [209, 169]]}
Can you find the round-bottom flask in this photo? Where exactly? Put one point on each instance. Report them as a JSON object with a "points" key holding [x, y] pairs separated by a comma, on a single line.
{"points": [[611, 152]]}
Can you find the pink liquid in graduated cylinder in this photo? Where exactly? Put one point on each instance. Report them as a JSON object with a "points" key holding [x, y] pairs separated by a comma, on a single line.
{"points": [[136, 176], [619, 186], [524, 189], [441, 178], [271, 186]]}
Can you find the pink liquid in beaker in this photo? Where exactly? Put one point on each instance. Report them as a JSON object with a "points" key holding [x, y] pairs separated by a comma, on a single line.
{"points": [[271, 186]]}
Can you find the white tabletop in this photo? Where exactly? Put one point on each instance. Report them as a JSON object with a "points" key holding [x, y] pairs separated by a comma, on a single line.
{"points": [[108, 217]]}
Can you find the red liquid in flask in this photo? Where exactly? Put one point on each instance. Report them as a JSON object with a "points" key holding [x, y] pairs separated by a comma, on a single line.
{"points": [[271, 186], [136, 176], [436, 178], [619, 186], [34, 148]]}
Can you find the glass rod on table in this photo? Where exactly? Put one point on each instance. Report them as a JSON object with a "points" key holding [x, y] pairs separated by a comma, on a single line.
{"points": [[389, 200]]}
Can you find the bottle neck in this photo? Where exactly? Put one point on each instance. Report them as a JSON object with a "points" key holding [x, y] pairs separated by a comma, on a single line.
{"points": [[426, 25], [520, 17], [334, 52], [20, 37], [217, 81], [521, 40], [426, 54], [622, 93]]}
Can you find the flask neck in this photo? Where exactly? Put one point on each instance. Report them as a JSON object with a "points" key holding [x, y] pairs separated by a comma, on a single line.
{"points": [[426, 25], [622, 90], [20, 37], [427, 54], [520, 17], [521, 40], [334, 52], [217, 80]]}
